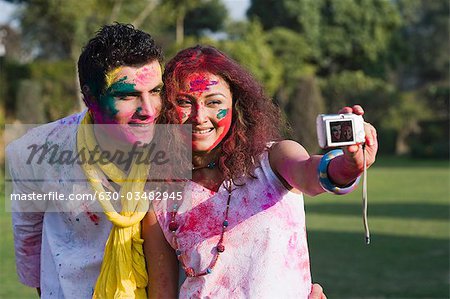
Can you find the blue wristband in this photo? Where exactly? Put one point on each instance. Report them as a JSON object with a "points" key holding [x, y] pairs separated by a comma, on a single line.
{"points": [[325, 181]]}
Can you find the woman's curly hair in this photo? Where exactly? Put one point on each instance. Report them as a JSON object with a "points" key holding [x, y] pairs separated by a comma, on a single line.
{"points": [[256, 120]]}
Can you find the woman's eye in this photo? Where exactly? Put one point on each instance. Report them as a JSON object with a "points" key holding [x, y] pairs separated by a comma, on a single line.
{"points": [[183, 102], [156, 90], [214, 103]]}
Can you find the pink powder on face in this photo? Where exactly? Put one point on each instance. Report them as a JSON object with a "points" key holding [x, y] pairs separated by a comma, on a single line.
{"points": [[143, 76], [226, 124], [200, 83], [182, 115]]}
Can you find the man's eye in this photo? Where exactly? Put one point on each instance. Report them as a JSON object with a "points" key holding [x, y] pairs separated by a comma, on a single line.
{"points": [[126, 97]]}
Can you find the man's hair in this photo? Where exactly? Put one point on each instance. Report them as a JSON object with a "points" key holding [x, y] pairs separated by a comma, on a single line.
{"points": [[256, 120], [113, 46]]}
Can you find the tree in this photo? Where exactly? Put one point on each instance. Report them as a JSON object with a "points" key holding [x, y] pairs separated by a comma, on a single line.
{"points": [[192, 17], [209, 15], [272, 13], [55, 30], [298, 95], [249, 45], [421, 44], [347, 34], [304, 104]]}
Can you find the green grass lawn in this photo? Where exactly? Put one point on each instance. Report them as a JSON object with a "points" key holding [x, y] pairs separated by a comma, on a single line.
{"points": [[408, 219]]}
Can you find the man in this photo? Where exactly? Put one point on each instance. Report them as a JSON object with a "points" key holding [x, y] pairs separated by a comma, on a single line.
{"points": [[74, 251], [61, 252], [336, 133]]}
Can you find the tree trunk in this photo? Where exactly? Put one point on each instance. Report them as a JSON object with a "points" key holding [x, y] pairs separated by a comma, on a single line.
{"points": [[144, 14], [304, 105], [180, 28]]}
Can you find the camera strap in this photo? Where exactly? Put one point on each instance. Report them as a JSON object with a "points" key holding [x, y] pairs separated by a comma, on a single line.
{"points": [[364, 197]]}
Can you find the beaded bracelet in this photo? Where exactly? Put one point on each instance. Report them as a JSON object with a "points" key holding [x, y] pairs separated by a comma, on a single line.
{"points": [[325, 181]]}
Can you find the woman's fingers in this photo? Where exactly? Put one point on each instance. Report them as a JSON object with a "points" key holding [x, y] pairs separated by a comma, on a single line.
{"points": [[355, 109], [317, 292]]}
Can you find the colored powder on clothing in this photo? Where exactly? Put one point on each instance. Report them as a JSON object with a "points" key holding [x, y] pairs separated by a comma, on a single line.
{"points": [[93, 217]]}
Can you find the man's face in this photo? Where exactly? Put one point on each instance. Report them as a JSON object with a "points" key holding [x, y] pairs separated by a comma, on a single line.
{"points": [[336, 132], [131, 102]]}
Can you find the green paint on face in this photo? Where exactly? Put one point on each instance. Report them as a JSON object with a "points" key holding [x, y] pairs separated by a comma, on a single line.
{"points": [[118, 89], [222, 113]]}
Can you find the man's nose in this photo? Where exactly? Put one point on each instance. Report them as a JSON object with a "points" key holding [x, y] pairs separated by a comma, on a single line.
{"points": [[149, 105]]}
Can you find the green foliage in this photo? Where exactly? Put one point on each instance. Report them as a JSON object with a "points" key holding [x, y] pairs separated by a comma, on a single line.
{"points": [[438, 96], [193, 17], [344, 34], [11, 74], [407, 110], [59, 99], [292, 50], [271, 13], [422, 43], [431, 141], [354, 87], [251, 49], [209, 15], [57, 29], [303, 105], [390, 56]]}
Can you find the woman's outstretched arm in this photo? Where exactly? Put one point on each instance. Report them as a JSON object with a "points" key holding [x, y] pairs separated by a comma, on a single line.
{"points": [[296, 168]]}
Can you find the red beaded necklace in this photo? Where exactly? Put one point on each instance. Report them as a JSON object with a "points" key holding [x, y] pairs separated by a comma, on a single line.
{"points": [[173, 227]]}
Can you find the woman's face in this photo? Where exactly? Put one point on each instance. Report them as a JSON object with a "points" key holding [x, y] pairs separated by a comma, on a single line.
{"points": [[205, 101], [348, 135]]}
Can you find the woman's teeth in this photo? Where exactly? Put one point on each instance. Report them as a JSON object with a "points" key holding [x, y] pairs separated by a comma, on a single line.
{"points": [[202, 131]]}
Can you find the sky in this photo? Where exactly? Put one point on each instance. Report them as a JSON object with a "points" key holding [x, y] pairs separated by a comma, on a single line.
{"points": [[236, 9], [7, 9]]}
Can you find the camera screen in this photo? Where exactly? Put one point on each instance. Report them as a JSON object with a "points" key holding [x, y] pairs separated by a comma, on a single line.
{"points": [[341, 131]]}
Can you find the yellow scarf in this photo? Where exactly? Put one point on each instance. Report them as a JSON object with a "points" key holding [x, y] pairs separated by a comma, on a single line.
{"points": [[123, 273]]}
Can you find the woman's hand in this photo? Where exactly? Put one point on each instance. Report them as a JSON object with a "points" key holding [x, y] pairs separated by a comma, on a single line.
{"points": [[346, 168], [317, 292]]}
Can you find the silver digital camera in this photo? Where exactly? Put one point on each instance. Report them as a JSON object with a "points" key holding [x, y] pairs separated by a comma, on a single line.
{"points": [[334, 130]]}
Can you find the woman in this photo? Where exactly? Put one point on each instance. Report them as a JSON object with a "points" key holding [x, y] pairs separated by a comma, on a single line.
{"points": [[242, 231]]}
